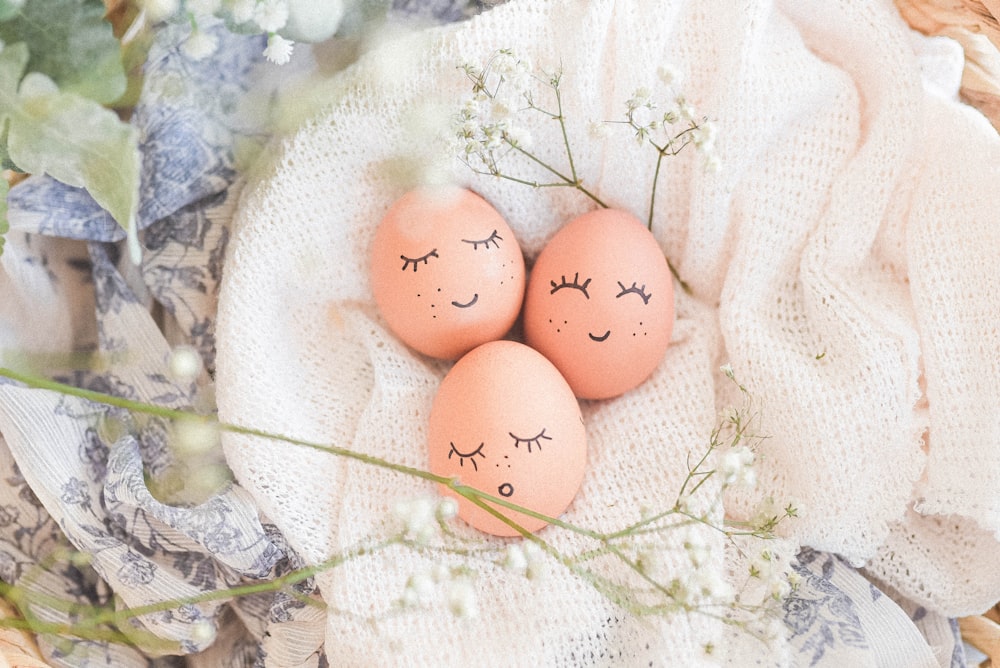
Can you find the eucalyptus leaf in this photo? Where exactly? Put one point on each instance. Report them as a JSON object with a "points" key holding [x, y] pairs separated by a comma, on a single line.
{"points": [[71, 43], [69, 137], [10, 8]]}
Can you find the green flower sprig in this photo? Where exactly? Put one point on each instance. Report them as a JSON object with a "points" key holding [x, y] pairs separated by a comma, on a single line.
{"points": [[488, 133], [641, 582]]}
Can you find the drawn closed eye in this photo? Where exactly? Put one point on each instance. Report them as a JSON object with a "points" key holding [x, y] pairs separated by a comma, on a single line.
{"points": [[634, 290], [536, 440], [409, 261], [575, 283], [494, 239], [462, 456]]}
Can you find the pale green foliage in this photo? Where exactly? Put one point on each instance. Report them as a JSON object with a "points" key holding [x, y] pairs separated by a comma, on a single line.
{"points": [[67, 136], [9, 8], [70, 42]]}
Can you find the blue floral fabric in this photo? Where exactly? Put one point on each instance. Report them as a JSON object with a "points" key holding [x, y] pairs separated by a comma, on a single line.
{"points": [[79, 519]]}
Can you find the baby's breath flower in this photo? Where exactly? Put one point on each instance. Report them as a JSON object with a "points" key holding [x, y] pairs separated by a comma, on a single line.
{"points": [[519, 136], [707, 585], [419, 589], [440, 573], [642, 97], [447, 509], [704, 136], [243, 10], [159, 10], [193, 436], [515, 559], [697, 549], [203, 632], [472, 70], [514, 71], [499, 110], [668, 74], [537, 568], [199, 45], [419, 518], [684, 109], [279, 49], [462, 599], [736, 466], [728, 370], [493, 136], [184, 363], [271, 16]]}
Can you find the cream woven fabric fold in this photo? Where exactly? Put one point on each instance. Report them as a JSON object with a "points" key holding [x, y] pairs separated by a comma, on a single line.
{"points": [[842, 260]]}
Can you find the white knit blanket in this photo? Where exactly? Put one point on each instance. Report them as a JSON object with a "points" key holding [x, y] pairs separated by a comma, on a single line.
{"points": [[842, 260]]}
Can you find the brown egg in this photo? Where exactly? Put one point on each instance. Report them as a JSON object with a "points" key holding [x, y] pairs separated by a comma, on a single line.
{"points": [[446, 271], [600, 303], [505, 422]]}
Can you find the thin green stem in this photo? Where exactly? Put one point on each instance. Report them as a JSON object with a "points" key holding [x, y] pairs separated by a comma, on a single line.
{"points": [[562, 126], [652, 194], [570, 181], [170, 413]]}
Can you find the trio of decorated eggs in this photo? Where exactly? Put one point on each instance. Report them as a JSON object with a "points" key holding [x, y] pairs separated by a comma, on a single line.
{"points": [[449, 279]]}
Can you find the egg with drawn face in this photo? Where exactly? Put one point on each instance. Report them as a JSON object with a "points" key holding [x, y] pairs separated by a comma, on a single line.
{"points": [[505, 422], [446, 271], [600, 303]]}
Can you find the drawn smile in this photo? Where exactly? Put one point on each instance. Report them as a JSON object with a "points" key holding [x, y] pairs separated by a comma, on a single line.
{"points": [[475, 298], [599, 338]]}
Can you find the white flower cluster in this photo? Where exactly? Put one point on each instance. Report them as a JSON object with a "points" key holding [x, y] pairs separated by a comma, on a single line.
{"points": [[774, 570], [527, 559], [674, 125], [424, 587], [485, 127], [266, 16], [422, 517], [736, 467]]}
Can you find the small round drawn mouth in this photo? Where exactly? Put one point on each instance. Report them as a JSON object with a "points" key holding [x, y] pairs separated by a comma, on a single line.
{"points": [[599, 338], [506, 489], [475, 298]]}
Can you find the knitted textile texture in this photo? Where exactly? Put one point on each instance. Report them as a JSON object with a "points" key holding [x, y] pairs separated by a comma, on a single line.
{"points": [[842, 259]]}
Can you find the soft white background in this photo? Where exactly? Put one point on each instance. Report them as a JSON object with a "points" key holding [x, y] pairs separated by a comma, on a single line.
{"points": [[842, 260]]}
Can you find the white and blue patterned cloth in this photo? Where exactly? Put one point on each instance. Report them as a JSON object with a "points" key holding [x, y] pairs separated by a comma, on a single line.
{"points": [[69, 483]]}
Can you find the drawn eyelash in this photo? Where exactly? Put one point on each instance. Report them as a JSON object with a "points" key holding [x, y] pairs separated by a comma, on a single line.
{"points": [[639, 291], [408, 261], [462, 456], [494, 239], [537, 440], [575, 283]]}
